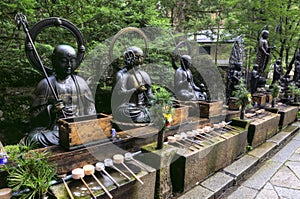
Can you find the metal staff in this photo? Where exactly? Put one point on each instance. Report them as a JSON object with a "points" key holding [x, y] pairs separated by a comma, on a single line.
{"points": [[21, 21]]}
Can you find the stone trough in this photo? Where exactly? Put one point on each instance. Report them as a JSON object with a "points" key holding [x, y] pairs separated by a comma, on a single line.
{"points": [[188, 167]]}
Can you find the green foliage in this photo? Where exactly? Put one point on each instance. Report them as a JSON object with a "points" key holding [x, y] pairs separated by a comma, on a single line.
{"points": [[294, 90], [247, 18], [276, 90], [242, 94], [30, 171], [162, 106]]}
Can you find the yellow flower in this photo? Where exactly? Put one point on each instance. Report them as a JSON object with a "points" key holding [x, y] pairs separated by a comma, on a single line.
{"points": [[168, 117]]}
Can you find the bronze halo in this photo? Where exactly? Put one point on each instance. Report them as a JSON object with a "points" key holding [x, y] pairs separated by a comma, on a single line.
{"points": [[121, 32], [56, 22]]}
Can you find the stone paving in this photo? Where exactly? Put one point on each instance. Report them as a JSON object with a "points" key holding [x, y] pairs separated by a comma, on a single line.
{"points": [[270, 171], [278, 177]]}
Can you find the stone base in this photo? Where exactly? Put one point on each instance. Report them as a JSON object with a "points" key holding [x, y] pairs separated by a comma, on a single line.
{"points": [[288, 114], [262, 128], [191, 167], [161, 161]]}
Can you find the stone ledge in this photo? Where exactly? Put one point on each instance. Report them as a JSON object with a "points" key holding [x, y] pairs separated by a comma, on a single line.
{"points": [[198, 192], [239, 168], [218, 183], [243, 192], [283, 135], [263, 150]]}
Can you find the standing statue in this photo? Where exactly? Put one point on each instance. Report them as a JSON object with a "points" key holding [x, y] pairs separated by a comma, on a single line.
{"points": [[75, 98], [278, 71], [235, 66], [237, 53], [254, 79], [132, 94], [234, 78], [185, 88], [263, 52]]}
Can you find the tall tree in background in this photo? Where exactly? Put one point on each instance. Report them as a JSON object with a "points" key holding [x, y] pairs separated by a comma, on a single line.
{"points": [[98, 20], [282, 18]]}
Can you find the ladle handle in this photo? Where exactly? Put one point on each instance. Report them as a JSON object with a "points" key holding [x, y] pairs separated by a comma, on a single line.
{"points": [[102, 186], [121, 172], [111, 178], [133, 173], [139, 163], [68, 189], [89, 189]]}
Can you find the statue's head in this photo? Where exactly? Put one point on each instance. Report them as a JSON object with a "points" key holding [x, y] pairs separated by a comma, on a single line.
{"points": [[278, 61], [185, 61], [133, 56], [63, 60], [238, 66], [265, 34], [255, 66]]}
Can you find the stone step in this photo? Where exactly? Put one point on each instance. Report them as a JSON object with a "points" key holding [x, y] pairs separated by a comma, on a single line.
{"points": [[215, 185]]}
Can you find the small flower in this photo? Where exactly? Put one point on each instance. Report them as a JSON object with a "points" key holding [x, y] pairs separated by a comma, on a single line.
{"points": [[168, 117]]}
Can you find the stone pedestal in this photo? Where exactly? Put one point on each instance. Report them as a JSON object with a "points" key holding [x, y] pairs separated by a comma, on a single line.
{"points": [[288, 114], [191, 167], [262, 128], [161, 161]]}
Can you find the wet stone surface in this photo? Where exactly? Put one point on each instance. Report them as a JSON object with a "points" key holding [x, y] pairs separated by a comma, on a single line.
{"points": [[284, 177], [241, 166], [263, 150], [243, 192], [267, 192], [218, 183], [198, 192], [262, 176]]}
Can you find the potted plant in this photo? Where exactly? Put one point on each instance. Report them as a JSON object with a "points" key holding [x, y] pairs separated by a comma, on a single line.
{"points": [[161, 111], [295, 92], [244, 98], [29, 171]]}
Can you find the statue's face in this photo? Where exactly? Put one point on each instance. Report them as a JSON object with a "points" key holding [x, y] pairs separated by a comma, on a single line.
{"points": [[186, 61], [133, 56], [139, 58], [265, 35], [64, 60]]}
